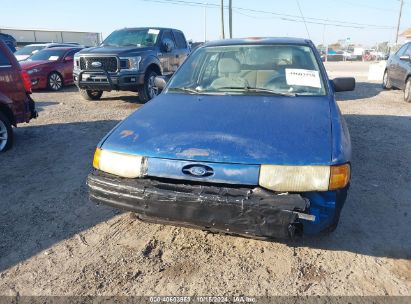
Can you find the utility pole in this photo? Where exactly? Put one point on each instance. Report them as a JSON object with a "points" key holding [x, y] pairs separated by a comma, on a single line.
{"points": [[230, 17], [222, 20], [205, 21], [399, 22]]}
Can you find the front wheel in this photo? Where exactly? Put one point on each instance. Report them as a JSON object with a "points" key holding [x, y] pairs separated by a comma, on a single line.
{"points": [[55, 81], [91, 94], [386, 82], [148, 90], [407, 90], [6, 133]]}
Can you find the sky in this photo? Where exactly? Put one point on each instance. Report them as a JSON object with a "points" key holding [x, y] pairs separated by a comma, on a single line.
{"points": [[360, 21]]}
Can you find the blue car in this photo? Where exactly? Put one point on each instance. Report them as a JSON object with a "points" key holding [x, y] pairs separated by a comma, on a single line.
{"points": [[246, 138]]}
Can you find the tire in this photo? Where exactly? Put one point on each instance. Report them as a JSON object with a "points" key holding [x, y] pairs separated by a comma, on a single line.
{"points": [[54, 82], [148, 91], [6, 133], [91, 94], [407, 90], [386, 82]]}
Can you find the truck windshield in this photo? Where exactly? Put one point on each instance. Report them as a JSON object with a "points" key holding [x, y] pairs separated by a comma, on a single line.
{"points": [[250, 69], [47, 54], [132, 37]]}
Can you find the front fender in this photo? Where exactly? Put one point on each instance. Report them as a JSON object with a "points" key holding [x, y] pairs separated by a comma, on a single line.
{"points": [[341, 140], [149, 60]]}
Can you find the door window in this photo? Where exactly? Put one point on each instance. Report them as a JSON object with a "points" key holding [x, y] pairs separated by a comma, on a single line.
{"points": [[4, 60], [180, 40], [402, 50]]}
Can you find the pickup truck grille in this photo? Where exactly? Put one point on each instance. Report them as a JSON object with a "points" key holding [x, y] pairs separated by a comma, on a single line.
{"points": [[109, 64]]}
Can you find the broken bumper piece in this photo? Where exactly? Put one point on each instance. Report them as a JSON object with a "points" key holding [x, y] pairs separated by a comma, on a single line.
{"points": [[235, 210]]}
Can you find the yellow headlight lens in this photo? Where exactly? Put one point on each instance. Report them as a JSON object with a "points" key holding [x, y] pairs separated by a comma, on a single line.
{"points": [[120, 164], [294, 178], [340, 176]]}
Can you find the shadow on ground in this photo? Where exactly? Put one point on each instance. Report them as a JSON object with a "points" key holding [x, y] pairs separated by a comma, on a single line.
{"points": [[43, 196], [363, 90]]}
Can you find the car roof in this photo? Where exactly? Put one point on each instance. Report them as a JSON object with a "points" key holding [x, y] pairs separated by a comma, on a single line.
{"points": [[65, 48], [50, 44], [259, 40], [149, 27]]}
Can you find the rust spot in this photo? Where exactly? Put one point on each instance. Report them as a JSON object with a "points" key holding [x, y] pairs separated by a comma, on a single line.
{"points": [[194, 152], [126, 133]]}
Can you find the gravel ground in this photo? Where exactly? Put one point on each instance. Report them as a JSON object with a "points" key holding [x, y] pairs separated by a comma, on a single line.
{"points": [[53, 241]]}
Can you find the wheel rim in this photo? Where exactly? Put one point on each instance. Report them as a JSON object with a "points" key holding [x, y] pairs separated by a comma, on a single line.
{"points": [[55, 82], [3, 135], [94, 93], [151, 88]]}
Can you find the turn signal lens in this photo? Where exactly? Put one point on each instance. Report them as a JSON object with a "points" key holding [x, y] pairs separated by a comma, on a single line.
{"points": [[96, 159], [339, 176]]}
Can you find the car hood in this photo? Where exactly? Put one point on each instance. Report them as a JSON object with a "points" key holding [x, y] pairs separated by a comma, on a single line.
{"points": [[26, 65], [118, 51], [228, 129]]}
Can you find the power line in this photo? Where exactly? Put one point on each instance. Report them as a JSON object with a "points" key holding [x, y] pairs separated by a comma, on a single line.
{"points": [[286, 17]]}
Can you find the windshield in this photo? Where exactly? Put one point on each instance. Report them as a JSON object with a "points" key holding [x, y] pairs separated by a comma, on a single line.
{"points": [[47, 54], [29, 50], [132, 37], [250, 69]]}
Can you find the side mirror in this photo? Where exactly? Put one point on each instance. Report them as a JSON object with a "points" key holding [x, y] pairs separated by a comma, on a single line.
{"points": [[160, 82], [68, 58], [167, 46], [405, 58], [343, 84]]}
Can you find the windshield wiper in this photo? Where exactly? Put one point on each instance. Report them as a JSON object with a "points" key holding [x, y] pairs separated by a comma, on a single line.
{"points": [[262, 90], [188, 90]]}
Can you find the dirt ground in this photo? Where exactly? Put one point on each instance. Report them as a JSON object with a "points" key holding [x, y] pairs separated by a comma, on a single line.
{"points": [[53, 241]]}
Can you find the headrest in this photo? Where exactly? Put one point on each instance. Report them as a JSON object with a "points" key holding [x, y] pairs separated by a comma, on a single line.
{"points": [[229, 65]]}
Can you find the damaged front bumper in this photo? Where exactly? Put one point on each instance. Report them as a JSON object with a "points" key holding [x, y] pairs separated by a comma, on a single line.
{"points": [[230, 209]]}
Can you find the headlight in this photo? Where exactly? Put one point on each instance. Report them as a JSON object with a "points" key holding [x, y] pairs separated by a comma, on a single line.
{"points": [[32, 71], [304, 178], [133, 62], [120, 164]]}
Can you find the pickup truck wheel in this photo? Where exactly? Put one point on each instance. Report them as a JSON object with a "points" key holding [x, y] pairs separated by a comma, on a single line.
{"points": [[148, 90], [407, 90], [91, 94], [55, 81], [386, 82], [6, 133]]}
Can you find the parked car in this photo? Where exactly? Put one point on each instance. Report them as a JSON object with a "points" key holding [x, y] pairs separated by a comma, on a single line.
{"points": [[246, 138], [25, 52], [51, 68], [129, 60], [398, 71], [9, 41], [16, 105]]}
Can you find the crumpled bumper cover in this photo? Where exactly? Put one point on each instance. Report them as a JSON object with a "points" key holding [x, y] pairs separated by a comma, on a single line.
{"points": [[235, 210]]}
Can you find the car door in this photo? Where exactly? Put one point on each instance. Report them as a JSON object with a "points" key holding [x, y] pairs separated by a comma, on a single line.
{"points": [[168, 58], [403, 67], [68, 65], [182, 49], [394, 66]]}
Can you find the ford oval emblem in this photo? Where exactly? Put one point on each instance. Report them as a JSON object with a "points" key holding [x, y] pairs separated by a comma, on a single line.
{"points": [[96, 64], [198, 170]]}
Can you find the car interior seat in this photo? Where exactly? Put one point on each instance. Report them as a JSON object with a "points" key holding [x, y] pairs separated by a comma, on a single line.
{"points": [[229, 69]]}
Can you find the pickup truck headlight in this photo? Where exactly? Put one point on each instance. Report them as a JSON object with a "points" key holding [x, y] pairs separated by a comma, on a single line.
{"points": [[133, 62], [120, 164], [304, 178], [33, 71]]}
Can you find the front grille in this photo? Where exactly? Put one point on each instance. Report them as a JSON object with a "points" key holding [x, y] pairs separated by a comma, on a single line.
{"points": [[108, 64]]}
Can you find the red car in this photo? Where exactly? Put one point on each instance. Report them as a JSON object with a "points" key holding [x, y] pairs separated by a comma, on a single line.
{"points": [[16, 105], [51, 68]]}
